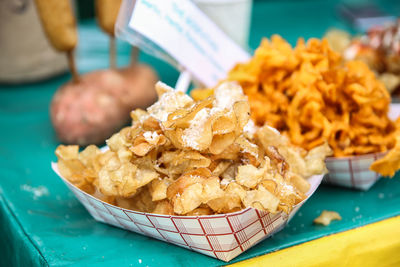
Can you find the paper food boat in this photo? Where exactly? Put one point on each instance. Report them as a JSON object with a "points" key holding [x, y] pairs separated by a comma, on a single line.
{"points": [[353, 172], [222, 236]]}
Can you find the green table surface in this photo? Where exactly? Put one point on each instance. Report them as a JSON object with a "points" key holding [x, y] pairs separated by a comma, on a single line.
{"points": [[54, 228]]}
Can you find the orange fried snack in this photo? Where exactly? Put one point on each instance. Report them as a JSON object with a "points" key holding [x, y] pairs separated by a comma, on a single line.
{"points": [[389, 164], [309, 94]]}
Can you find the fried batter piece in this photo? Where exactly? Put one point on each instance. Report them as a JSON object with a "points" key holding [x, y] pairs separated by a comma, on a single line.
{"points": [[192, 158]]}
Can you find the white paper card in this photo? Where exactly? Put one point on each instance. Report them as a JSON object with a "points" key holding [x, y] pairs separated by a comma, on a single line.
{"points": [[187, 35]]}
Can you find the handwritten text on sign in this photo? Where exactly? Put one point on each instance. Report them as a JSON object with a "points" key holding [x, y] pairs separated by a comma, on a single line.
{"points": [[189, 36]]}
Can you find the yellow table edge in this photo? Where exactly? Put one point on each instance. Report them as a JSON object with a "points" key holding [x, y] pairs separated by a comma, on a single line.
{"points": [[376, 244]]}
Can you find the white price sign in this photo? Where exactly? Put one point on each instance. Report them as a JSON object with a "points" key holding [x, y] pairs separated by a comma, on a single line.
{"points": [[179, 32]]}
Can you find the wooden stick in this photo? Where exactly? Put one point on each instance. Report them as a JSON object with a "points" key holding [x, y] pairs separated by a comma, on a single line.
{"points": [[134, 55], [72, 66], [113, 51]]}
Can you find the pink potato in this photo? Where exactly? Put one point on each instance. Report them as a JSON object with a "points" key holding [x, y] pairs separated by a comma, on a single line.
{"points": [[91, 110]]}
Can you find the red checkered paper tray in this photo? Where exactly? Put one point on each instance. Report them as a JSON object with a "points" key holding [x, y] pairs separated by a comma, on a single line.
{"points": [[222, 236], [353, 172]]}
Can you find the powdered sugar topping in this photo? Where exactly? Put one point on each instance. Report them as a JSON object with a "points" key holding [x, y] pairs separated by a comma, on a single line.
{"points": [[168, 102], [273, 129], [250, 129], [151, 137], [225, 182], [227, 94], [287, 188], [193, 133]]}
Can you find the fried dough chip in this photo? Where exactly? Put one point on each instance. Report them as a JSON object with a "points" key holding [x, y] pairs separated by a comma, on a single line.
{"points": [[390, 163], [299, 161], [201, 94], [119, 178], [67, 152], [164, 207], [77, 167], [158, 189], [193, 189], [230, 201], [202, 210], [326, 217], [261, 199], [185, 157], [140, 202], [249, 176]]}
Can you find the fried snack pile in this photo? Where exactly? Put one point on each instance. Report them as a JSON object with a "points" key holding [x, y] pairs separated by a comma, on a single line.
{"points": [[307, 93], [311, 95], [194, 158], [379, 48]]}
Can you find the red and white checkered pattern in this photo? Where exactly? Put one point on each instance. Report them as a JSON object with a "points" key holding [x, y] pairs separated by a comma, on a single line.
{"points": [[222, 236], [352, 172]]}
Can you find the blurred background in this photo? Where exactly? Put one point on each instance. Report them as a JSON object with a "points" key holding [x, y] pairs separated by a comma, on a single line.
{"points": [[289, 18], [31, 71]]}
